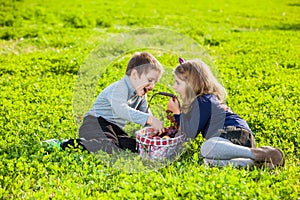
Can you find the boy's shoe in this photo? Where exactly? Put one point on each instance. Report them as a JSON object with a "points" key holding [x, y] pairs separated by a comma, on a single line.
{"points": [[51, 144]]}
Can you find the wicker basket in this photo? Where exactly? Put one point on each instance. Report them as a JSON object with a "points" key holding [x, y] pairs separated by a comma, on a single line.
{"points": [[156, 148]]}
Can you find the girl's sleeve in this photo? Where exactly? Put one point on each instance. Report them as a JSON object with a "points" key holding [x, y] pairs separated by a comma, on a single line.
{"points": [[197, 119], [177, 118], [206, 116]]}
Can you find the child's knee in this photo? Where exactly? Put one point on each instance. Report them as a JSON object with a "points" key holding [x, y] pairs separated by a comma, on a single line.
{"points": [[209, 147], [206, 147]]}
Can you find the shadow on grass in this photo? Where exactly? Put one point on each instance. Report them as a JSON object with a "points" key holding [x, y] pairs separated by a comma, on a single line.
{"points": [[294, 4], [283, 27], [289, 27]]}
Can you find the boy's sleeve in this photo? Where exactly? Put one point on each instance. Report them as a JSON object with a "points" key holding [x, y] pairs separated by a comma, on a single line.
{"points": [[120, 108]]}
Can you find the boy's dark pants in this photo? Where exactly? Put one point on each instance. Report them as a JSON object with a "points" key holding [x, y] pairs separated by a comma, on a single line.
{"points": [[99, 134]]}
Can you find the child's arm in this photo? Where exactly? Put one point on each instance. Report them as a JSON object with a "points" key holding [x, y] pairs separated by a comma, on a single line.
{"points": [[119, 103], [143, 106], [155, 123], [206, 116], [191, 123]]}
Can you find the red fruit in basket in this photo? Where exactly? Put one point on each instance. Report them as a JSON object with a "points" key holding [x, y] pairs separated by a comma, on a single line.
{"points": [[171, 117], [170, 132]]}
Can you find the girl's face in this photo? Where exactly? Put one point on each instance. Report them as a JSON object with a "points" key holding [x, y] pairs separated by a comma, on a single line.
{"points": [[145, 82], [180, 86]]}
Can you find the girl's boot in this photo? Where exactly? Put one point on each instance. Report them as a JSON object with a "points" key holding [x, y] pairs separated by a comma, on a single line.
{"points": [[269, 156]]}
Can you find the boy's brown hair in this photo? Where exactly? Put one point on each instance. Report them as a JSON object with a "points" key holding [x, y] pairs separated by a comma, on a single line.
{"points": [[142, 62]]}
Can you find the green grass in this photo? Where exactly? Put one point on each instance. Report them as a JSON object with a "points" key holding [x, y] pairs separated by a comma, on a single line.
{"points": [[254, 46]]}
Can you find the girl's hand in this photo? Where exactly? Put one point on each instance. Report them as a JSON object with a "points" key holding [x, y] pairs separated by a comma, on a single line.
{"points": [[173, 106]]}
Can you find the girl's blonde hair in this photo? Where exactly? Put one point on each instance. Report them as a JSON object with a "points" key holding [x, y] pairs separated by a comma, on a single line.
{"points": [[199, 81]]}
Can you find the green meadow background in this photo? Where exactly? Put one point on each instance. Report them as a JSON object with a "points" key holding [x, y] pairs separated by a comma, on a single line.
{"points": [[253, 44]]}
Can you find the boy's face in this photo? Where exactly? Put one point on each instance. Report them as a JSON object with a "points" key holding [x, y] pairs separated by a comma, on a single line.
{"points": [[145, 82], [180, 86]]}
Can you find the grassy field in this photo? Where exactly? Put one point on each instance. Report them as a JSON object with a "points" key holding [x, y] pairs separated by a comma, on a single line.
{"points": [[47, 48]]}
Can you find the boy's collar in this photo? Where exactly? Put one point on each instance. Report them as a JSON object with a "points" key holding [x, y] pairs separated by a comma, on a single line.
{"points": [[130, 86]]}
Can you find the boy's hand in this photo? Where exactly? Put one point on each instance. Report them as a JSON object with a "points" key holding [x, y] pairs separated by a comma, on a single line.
{"points": [[155, 123], [173, 106]]}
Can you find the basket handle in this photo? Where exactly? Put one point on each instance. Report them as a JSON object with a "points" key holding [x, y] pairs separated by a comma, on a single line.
{"points": [[164, 94]]}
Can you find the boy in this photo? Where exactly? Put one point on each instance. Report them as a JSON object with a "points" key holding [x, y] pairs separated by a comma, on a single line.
{"points": [[120, 102]]}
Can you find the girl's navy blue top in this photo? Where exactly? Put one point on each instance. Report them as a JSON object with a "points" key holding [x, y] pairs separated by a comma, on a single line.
{"points": [[207, 116]]}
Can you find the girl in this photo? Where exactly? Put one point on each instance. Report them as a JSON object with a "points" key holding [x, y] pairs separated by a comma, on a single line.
{"points": [[229, 140]]}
